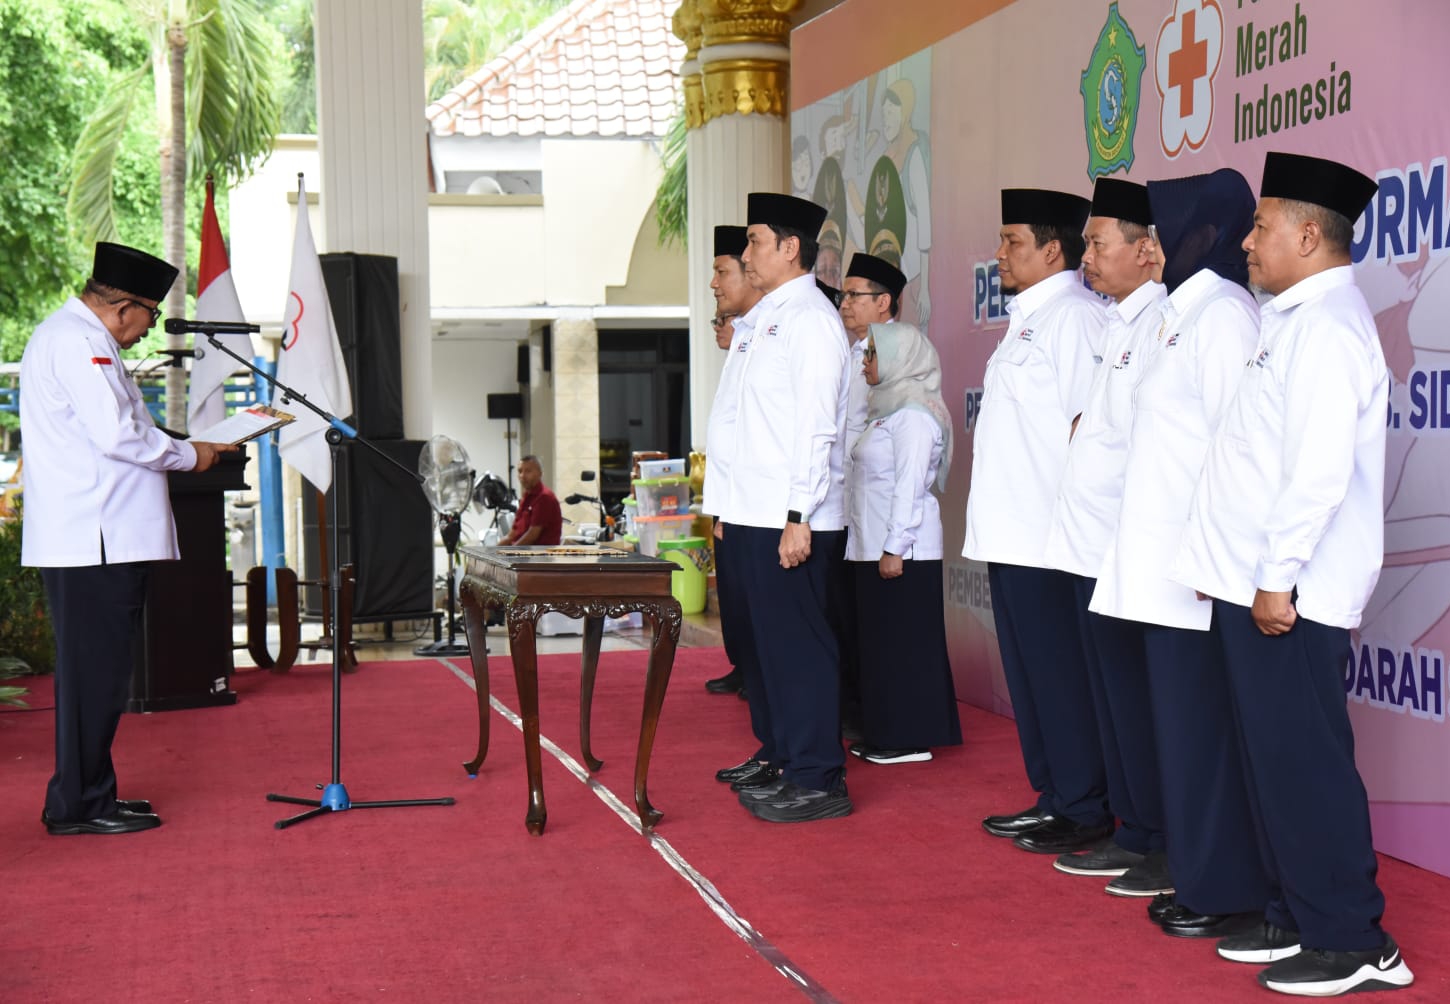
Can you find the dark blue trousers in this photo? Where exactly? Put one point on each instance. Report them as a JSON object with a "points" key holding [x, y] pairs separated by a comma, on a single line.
{"points": [[1213, 852], [797, 651], [96, 612], [739, 639], [1304, 789], [1047, 678], [1118, 676], [843, 621]]}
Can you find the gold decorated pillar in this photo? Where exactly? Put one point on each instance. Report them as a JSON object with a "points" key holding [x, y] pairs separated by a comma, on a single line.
{"points": [[735, 79]]}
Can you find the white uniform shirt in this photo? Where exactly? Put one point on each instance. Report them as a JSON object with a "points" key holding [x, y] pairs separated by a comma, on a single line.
{"points": [[888, 489], [856, 391], [1292, 492], [95, 462], [790, 412], [720, 435], [1036, 383], [1086, 513], [1212, 326]]}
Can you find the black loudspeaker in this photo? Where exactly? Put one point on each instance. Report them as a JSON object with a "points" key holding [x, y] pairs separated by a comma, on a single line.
{"points": [[524, 363], [363, 291], [385, 529], [505, 406]]}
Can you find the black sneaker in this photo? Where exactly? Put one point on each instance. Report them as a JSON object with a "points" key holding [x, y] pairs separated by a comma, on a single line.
{"points": [[1148, 877], [858, 749], [748, 795], [1318, 973], [896, 756], [794, 804], [1262, 946], [1107, 858]]}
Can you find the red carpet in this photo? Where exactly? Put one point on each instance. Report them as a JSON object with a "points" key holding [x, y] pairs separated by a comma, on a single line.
{"points": [[908, 900]]}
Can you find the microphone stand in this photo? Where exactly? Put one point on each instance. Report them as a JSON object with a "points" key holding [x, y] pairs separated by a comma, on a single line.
{"points": [[334, 795]]}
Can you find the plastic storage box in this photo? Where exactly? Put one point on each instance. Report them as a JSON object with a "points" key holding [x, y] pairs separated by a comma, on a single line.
{"points": [[662, 496], [653, 529], [651, 469]]}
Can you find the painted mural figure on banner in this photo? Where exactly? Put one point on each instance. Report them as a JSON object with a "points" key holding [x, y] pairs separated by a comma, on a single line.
{"points": [[1036, 385], [1286, 534]]}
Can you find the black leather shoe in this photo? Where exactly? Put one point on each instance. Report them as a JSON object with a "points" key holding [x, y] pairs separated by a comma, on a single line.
{"points": [[135, 805], [1161, 905], [730, 683], [119, 821], [1060, 835], [757, 780], [1182, 922], [741, 771], [1017, 823]]}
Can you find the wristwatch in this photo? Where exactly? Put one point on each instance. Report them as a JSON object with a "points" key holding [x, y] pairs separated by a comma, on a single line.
{"points": [[793, 516]]}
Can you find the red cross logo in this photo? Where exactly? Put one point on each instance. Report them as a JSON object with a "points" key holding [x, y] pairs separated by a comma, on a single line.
{"points": [[1190, 43]]}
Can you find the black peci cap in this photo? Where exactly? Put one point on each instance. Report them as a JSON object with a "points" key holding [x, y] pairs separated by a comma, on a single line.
{"points": [[1322, 182], [132, 271], [729, 241], [1044, 207], [829, 292], [1122, 200], [878, 270], [787, 211]]}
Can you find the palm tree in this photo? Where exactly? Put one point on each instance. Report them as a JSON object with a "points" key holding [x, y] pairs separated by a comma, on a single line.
{"points": [[214, 67]]}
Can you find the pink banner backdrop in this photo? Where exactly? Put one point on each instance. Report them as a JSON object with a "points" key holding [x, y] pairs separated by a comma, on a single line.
{"points": [[909, 149]]}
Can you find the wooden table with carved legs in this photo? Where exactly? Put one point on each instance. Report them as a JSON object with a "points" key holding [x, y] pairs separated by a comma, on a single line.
{"points": [[592, 583]]}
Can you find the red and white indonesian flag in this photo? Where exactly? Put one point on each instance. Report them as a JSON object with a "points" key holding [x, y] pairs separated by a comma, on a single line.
{"points": [[216, 300], [311, 361]]}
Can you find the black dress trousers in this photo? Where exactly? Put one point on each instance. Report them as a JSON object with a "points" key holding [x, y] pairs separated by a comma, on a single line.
{"points": [[96, 611], [797, 650], [1304, 788], [1046, 673], [1118, 674], [1213, 850], [735, 615]]}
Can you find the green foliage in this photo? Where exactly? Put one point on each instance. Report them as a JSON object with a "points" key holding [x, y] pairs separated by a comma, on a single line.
{"points": [[460, 36], [25, 630], [54, 66], [672, 204], [9, 669], [293, 19]]}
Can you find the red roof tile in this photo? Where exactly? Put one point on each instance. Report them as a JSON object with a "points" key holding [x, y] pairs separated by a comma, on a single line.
{"points": [[596, 68]]}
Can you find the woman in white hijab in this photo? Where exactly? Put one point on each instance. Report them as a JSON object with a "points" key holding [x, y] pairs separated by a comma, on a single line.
{"points": [[894, 550]]}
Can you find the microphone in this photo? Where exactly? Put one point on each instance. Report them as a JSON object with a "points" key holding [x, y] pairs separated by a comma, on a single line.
{"points": [[177, 355], [181, 326]]}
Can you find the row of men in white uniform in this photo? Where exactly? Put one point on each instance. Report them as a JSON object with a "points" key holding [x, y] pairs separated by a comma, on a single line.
{"points": [[1179, 499]]}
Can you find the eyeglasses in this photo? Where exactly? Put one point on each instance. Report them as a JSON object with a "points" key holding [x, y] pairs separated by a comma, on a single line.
{"points": [[155, 312], [720, 320], [860, 292], [869, 352]]}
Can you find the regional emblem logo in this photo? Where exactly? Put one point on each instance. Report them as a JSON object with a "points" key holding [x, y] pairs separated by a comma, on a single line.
{"points": [[1112, 90], [1184, 64]]}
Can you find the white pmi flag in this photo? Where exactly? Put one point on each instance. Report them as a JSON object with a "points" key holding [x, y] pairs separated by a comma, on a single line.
{"points": [[216, 300], [311, 361]]}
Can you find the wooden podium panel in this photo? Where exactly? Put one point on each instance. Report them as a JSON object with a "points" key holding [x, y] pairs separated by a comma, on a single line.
{"points": [[183, 655]]}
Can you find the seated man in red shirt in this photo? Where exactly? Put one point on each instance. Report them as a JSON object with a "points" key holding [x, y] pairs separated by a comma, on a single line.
{"points": [[539, 520]]}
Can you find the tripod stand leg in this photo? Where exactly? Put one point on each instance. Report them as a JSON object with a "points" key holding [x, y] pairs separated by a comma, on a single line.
{"points": [[301, 817]]}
